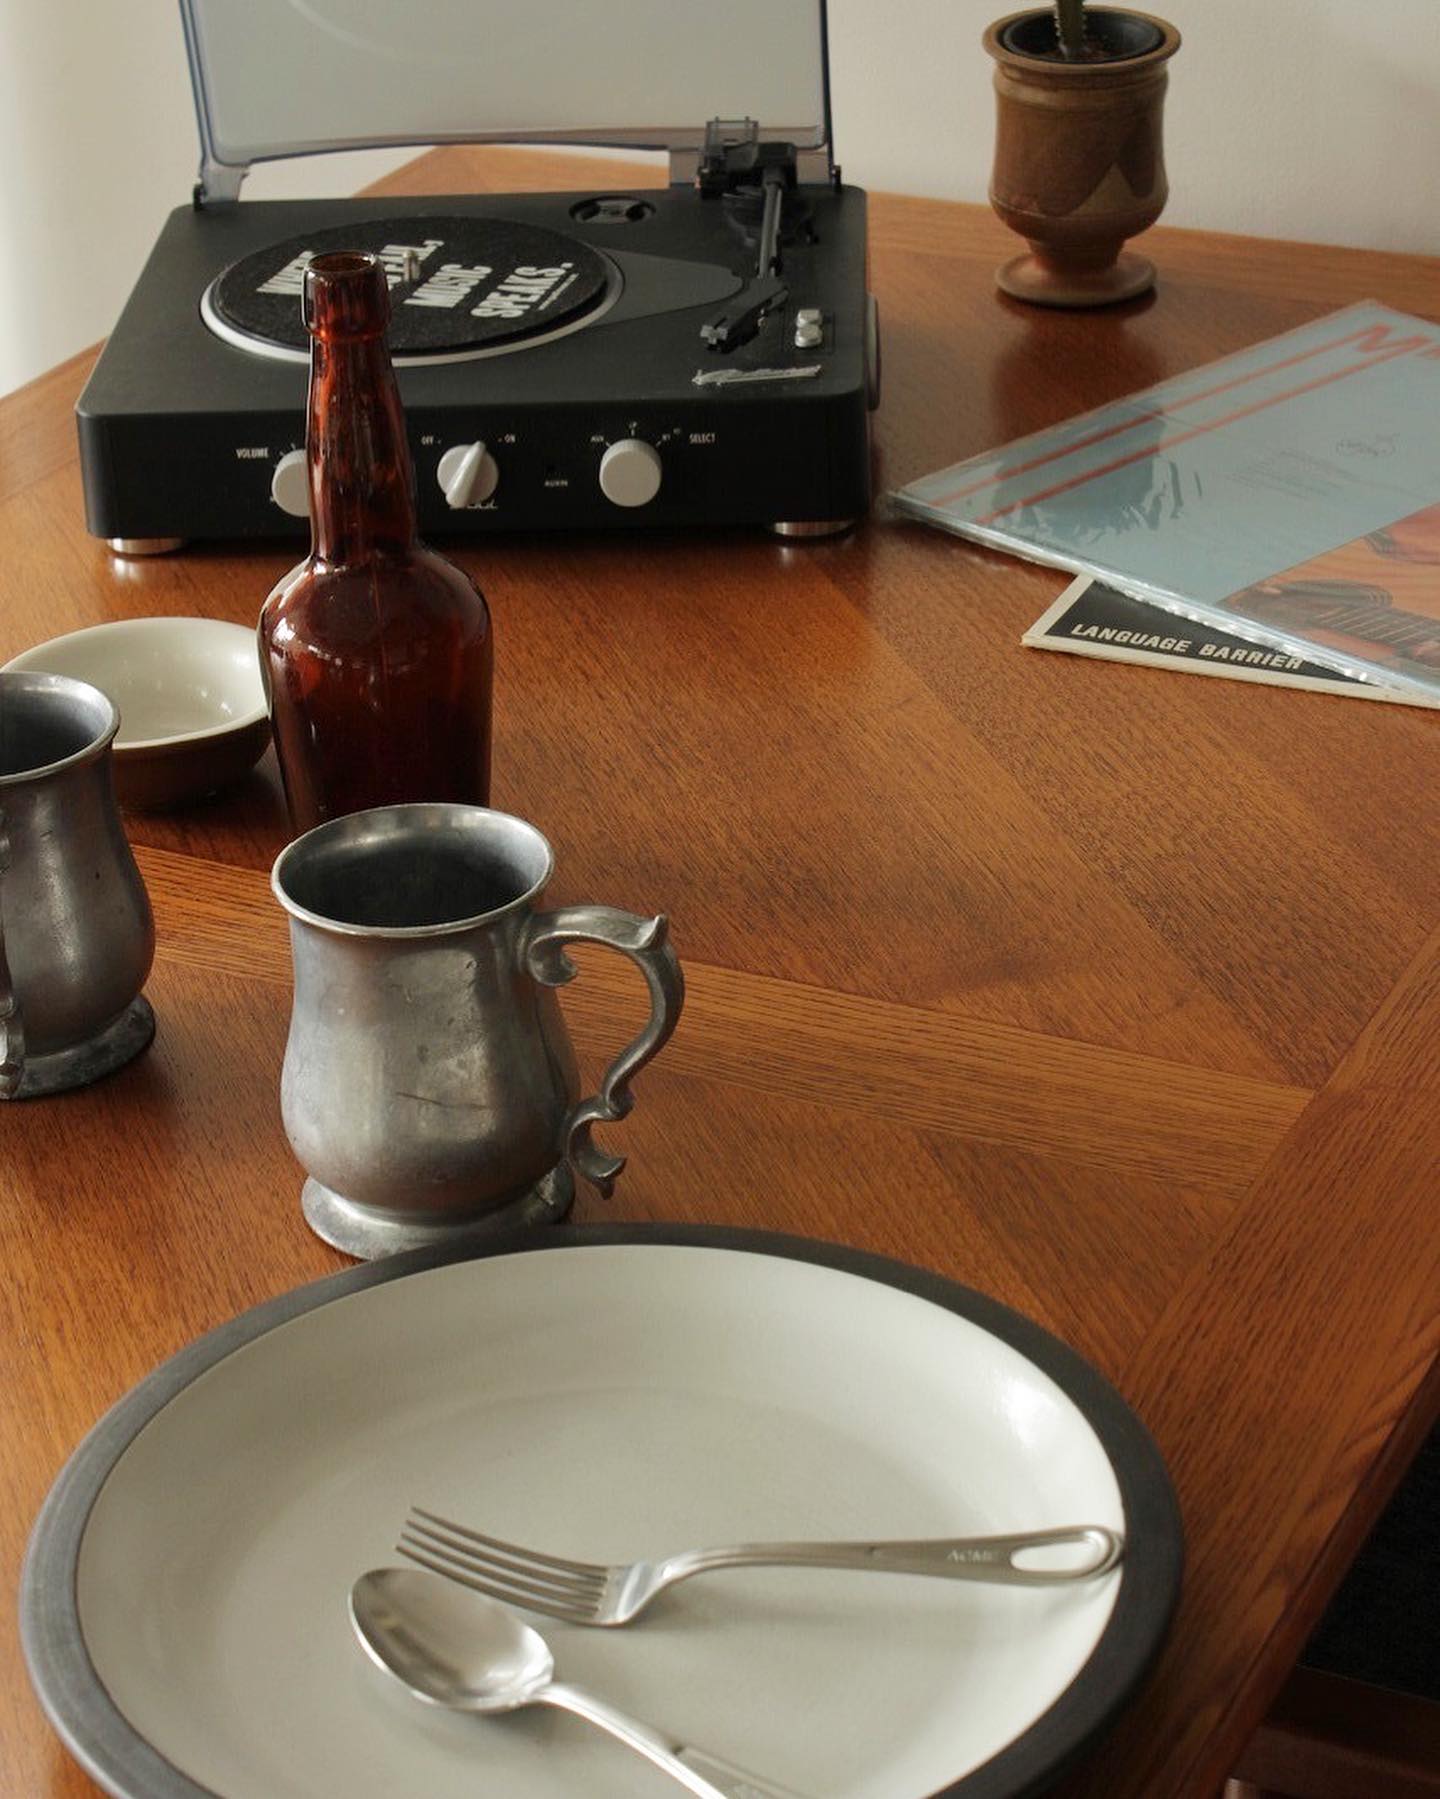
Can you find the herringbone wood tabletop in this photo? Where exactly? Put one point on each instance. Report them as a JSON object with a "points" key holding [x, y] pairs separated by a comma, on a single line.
{"points": [[1113, 993]]}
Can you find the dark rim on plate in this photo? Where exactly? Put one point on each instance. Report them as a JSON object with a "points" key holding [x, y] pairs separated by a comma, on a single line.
{"points": [[109, 1748]]}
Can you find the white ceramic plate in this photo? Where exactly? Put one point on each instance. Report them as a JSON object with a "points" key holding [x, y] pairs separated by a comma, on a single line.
{"points": [[606, 1395]]}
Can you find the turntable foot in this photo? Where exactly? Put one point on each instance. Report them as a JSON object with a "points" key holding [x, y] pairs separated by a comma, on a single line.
{"points": [[810, 527], [143, 546]]}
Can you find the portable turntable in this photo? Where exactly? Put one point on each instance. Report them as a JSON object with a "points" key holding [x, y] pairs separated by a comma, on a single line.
{"points": [[702, 354]]}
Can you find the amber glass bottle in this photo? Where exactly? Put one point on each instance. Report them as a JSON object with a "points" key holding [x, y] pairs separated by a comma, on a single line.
{"points": [[377, 652]]}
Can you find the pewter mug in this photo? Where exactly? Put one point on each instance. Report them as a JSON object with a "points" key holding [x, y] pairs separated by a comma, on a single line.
{"points": [[429, 1085], [76, 933]]}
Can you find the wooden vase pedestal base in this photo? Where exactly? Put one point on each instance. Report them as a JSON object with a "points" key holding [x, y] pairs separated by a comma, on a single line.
{"points": [[1034, 277]]}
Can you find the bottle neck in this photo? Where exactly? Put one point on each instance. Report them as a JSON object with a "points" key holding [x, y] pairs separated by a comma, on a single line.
{"points": [[362, 484]]}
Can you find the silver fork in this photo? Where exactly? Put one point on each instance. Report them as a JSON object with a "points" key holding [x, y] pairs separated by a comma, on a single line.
{"points": [[592, 1593]]}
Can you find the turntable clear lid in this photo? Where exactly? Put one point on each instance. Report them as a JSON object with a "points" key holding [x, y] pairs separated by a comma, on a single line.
{"points": [[277, 78]]}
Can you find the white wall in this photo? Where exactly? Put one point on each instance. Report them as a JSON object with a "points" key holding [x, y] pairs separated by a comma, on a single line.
{"points": [[97, 145], [1289, 118]]}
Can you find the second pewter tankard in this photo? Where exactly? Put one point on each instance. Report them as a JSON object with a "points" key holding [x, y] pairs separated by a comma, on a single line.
{"points": [[429, 1085], [76, 932]]}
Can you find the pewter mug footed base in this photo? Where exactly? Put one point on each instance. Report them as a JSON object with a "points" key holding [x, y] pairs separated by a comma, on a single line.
{"points": [[365, 1232], [430, 1090], [81, 1063]]}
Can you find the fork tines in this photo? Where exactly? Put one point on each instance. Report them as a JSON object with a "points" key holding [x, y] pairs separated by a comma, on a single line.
{"points": [[506, 1571]]}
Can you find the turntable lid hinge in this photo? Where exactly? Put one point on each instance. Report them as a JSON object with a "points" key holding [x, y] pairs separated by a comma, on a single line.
{"points": [[734, 155], [219, 183]]}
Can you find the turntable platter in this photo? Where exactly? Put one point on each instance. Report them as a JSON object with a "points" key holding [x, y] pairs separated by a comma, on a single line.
{"points": [[459, 287]]}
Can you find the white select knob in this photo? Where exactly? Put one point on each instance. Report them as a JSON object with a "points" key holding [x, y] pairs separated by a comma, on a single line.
{"points": [[290, 484], [630, 472], [469, 475]]}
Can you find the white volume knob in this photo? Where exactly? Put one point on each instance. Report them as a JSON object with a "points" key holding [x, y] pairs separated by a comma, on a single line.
{"points": [[290, 484], [630, 472], [469, 475]]}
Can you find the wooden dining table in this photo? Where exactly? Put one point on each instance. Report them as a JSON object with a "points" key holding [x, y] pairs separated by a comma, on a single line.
{"points": [[1112, 993]]}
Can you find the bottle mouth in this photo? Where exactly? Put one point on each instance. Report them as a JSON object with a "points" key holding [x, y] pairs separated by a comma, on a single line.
{"points": [[346, 294], [337, 264]]}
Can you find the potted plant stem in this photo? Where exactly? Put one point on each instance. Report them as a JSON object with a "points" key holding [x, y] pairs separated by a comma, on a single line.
{"points": [[1078, 158]]}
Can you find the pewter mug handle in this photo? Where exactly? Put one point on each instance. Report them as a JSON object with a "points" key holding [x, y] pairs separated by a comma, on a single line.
{"points": [[12, 1042], [645, 942]]}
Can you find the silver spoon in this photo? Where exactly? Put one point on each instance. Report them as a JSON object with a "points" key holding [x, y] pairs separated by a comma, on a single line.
{"points": [[453, 1647]]}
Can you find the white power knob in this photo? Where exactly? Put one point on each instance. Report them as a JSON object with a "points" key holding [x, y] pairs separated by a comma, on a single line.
{"points": [[630, 472], [290, 484], [469, 475]]}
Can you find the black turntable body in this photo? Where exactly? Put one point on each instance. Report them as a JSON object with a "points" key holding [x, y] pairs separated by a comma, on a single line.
{"points": [[566, 360]]}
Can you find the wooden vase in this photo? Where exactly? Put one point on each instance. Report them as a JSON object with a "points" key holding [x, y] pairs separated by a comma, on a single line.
{"points": [[1078, 154]]}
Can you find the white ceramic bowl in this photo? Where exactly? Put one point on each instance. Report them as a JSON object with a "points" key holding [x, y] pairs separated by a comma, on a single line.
{"points": [[191, 702]]}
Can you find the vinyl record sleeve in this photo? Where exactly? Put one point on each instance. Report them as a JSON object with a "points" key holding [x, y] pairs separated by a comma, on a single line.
{"points": [[1288, 495], [1091, 619]]}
